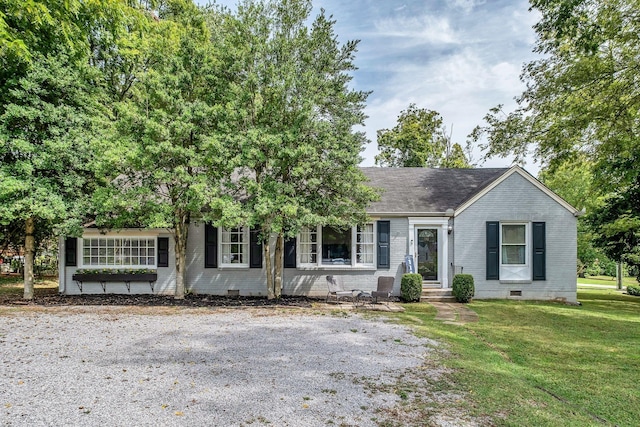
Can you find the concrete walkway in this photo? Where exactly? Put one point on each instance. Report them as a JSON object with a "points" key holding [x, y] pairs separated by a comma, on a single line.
{"points": [[454, 313]]}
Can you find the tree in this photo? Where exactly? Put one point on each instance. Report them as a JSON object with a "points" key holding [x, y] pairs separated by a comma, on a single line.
{"points": [[294, 117], [582, 97], [419, 140], [166, 159], [44, 152]]}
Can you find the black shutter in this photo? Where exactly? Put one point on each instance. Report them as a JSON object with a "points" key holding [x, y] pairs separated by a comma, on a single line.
{"points": [[290, 253], [493, 250], [163, 252], [255, 249], [539, 244], [71, 252], [384, 246], [210, 246]]}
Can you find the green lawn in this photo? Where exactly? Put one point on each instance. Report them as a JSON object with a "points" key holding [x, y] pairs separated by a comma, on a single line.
{"points": [[529, 363], [606, 280]]}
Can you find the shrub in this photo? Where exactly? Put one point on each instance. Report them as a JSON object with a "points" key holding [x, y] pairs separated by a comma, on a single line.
{"points": [[463, 287], [411, 287], [633, 290]]}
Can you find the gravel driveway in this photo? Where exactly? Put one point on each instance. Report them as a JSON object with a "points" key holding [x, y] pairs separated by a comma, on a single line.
{"points": [[106, 366]]}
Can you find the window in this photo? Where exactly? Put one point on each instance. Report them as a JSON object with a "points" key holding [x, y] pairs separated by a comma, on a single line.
{"points": [[336, 246], [331, 246], [234, 245], [365, 244], [514, 244], [309, 246], [119, 252]]}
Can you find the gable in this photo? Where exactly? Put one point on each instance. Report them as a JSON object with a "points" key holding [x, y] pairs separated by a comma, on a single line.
{"points": [[507, 179]]}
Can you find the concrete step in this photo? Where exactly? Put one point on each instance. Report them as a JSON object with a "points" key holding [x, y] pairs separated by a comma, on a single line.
{"points": [[439, 294]]}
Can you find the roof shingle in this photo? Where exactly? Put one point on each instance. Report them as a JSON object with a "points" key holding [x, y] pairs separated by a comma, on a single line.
{"points": [[423, 190]]}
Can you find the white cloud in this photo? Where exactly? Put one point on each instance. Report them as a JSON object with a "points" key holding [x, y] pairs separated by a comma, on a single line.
{"points": [[420, 29]]}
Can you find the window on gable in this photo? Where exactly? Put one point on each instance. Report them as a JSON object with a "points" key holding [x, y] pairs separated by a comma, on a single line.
{"points": [[119, 252], [234, 246], [514, 244]]}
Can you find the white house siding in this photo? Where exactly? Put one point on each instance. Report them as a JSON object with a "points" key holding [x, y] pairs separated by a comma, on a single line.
{"points": [[312, 282], [165, 284], [516, 199], [219, 281]]}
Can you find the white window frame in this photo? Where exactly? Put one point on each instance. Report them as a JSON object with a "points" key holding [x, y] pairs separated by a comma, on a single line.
{"points": [[301, 251], [244, 245], [527, 243], [115, 238], [517, 273]]}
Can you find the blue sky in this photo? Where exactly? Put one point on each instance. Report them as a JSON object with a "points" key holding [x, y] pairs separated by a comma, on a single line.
{"points": [[458, 57]]}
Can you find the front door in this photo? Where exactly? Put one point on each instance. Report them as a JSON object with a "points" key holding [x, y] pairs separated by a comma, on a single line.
{"points": [[427, 255]]}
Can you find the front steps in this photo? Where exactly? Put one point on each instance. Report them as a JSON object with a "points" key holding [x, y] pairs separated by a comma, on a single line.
{"points": [[434, 293]]}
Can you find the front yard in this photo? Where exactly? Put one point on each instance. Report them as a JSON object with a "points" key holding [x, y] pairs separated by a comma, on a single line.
{"points": [[527, 363], [523, 363]]}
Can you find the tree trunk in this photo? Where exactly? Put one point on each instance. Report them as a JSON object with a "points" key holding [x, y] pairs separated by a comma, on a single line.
{"points": [[268, 268], [278, 261], [619, 276], [180, 239], [29, 256]]}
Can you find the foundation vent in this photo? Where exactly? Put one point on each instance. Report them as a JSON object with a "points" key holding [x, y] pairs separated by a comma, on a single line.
{"points": [[515, 293]]}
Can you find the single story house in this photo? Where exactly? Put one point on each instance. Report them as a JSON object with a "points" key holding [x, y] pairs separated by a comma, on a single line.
{"points": [[514, 235]]}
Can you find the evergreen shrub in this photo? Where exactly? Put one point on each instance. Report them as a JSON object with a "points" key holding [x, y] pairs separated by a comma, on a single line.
{"points": [[463, 287], [411, 287]]}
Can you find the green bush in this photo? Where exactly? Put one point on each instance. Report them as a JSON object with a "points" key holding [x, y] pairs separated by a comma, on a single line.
{"points": [[463, 287], [411, 287], [633, 290]]}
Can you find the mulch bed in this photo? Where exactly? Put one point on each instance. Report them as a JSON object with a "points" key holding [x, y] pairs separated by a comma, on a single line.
{"points": [[52, 298]]}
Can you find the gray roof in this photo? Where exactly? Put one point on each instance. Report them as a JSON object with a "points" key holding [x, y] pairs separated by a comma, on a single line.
{"points": [[423, 190]]}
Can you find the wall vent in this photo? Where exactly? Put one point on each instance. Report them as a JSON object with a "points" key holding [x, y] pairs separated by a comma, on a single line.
{"points": [[515, 293]]}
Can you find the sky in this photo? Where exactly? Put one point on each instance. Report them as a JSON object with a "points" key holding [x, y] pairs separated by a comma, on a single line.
{"points": [[457, 57]]}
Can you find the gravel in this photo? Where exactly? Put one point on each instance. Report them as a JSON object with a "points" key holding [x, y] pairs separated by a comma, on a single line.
{"points": [[88, 366]]}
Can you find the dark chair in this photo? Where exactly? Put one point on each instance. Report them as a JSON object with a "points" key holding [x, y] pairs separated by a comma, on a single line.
{"points": [[385, 288]]}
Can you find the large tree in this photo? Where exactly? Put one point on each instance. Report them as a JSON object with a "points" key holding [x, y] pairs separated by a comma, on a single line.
{"points": [[295, 115], [582, 95], [419, 139], [166, 159], [51, 97]]}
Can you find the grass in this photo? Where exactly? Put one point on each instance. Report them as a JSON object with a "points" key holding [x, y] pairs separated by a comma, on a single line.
{"points": [[13, 285], [543, 364], [606, 281]]}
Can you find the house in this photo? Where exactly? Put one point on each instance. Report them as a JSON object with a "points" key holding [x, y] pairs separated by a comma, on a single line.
{"points": [[501, 225]]}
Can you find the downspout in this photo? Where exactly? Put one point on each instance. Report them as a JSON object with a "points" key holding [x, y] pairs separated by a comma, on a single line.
{"points": [[61, 266]]}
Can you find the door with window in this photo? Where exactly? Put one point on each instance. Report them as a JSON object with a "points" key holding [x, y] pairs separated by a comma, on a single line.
{"points": [[427, 253]]}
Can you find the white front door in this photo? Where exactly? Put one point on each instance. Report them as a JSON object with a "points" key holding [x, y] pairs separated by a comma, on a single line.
{"points": [[429, 246]]}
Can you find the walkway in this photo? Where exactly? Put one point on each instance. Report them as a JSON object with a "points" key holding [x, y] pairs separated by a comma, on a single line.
{"points": [[454, 313]]}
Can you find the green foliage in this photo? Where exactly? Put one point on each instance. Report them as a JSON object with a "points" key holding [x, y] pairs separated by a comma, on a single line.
{"points": [[292, 125], [633, 290], [463, 287], [116, 271], [419, 140], [617, 225], [411, 287]]}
